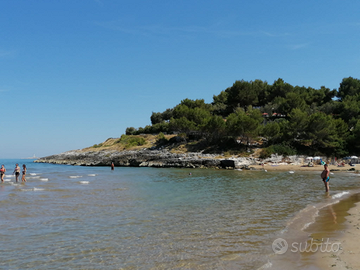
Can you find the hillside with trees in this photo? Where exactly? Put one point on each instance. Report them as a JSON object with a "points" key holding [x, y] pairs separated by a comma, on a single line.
{"points": [[278, 118]]}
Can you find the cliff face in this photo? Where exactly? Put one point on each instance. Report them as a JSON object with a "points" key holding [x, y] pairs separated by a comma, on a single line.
{"points": [[153, 158]]}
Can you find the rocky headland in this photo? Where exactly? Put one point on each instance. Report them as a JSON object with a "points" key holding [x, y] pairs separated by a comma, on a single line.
{"points": [[161, 159]]}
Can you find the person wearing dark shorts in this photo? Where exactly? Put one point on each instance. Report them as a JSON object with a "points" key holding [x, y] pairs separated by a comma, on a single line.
{"points": [[17, 172], [23, 174], [325, 175], [2, 172]]}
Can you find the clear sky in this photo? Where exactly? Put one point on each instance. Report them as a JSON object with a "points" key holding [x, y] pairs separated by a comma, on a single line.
{"points": [[74, 73]]}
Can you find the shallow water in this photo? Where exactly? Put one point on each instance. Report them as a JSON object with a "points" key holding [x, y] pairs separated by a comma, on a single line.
{"points": [[68, 217]]}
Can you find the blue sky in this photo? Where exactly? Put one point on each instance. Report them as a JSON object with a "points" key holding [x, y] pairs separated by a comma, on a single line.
{"points": [[74, 73]]}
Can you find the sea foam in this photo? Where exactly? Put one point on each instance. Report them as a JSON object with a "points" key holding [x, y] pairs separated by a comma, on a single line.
{"points": [[339, 195]]}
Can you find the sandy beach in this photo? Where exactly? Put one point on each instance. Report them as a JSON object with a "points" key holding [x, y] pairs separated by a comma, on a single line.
{"points": [[293, 167], [348, 255]]}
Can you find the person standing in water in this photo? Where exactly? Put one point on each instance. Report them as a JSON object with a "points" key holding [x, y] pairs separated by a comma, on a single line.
{"points": [[112, 166], [325, 175], [23, 173], [2, 172], [17, 172]]}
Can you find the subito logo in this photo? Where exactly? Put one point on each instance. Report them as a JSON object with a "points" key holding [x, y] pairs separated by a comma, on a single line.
{"points": [[280, 246]]}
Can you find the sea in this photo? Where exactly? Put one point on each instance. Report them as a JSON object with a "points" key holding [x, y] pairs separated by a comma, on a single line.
{"points": [[77, 217]]}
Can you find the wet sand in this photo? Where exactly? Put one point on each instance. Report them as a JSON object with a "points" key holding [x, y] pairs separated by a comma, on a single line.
{"points": [[348, 255], [293, 167]]}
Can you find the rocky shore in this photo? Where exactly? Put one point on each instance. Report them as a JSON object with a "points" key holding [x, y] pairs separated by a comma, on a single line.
{"points": [[160, 159]]}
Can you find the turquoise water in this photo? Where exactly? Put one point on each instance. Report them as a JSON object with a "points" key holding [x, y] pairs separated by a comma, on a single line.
{"points": [[68, 217]]}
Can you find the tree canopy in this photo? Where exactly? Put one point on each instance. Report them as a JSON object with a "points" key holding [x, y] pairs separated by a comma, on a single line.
{"points": [[304, 119]]}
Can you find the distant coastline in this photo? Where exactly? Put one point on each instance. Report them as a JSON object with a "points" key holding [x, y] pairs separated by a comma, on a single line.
{"points": [[166, 159], [33, 157]]}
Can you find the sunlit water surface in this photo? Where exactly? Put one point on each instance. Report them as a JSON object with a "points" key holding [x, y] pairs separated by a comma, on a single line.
{"points": [[68, 217]]}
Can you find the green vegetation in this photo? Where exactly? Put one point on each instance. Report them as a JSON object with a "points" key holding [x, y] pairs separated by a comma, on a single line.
{"points": [[280, 118], [131, 141], [161, 139]]}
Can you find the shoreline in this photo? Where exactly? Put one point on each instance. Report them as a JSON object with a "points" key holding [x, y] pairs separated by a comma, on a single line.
{"points": [[166, 159], [347, 257], [308, 232], [292, 167]]}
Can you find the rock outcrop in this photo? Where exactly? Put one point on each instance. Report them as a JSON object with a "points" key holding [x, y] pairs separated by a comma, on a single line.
{"points": [[153, 158]]}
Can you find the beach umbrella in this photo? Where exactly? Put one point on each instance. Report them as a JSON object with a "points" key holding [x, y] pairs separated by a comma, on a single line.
{"points": [[347, 157], [353, 157], [309, 158], [317, 157]]}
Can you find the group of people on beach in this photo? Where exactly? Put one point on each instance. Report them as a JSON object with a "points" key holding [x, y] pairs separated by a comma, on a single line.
{"points": [[16, 172]]}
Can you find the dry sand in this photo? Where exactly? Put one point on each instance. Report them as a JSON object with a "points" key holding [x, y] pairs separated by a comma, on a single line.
{"points": [[292, 167]]}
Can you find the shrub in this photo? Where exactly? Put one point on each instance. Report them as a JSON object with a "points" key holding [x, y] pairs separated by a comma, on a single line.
{"points": [[279, 149], [130, 131], [267, 152], [285, 150], [130, 141], [161, 139]]}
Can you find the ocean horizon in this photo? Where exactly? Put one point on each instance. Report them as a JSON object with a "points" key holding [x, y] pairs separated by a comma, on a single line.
{"points": [[81, 217]]}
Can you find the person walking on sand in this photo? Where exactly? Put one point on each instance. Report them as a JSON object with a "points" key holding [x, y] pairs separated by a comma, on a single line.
{"points": [[325, 175], [23, 173], [2, 172], [17, 172]]}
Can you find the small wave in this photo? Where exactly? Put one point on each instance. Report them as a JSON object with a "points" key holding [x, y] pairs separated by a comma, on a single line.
{"points": [[316, 214], [32, 173], [291, 171], [32, 177], [266, 266], [7, 180], [307, 225], [9, 175], [91, 174], [84, 182], [302, 219], [74, 176], [44, 179], [339, 195], [32, 189]]}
